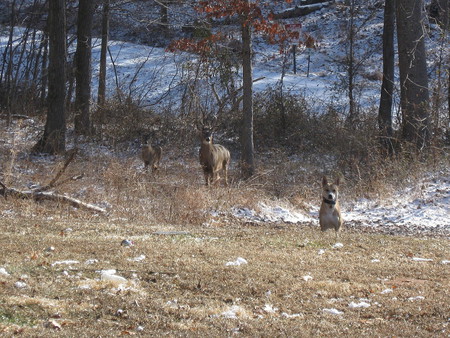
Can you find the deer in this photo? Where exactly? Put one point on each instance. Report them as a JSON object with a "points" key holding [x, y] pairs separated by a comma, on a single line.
{"points": [[213, 158], [151, 155]]}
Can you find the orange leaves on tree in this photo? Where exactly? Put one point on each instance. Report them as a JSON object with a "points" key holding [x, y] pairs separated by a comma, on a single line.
{"points": [[202, 47], [249, 13]]}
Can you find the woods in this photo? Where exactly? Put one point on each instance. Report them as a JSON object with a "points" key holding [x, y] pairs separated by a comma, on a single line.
{"points": [[229, 71]]}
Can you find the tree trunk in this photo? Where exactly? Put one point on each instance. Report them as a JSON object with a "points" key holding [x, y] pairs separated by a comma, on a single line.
{"points": [[83, 67], [351, 67], [247, 157], [164, 10], [387, 86], [414, 95], [53, 141], [104, 50], [439, 11]]}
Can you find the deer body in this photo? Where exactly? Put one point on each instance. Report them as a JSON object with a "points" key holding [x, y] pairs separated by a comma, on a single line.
{"points": [[213, 159], [151, 156]]}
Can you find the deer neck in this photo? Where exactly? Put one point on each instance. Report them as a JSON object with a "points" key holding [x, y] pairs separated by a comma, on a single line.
{"points": [[207, 146]]}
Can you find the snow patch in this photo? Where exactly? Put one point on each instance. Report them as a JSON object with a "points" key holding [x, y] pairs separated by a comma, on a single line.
{"points": [[237, 262]]}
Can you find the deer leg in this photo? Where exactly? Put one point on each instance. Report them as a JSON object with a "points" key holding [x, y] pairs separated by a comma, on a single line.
{"points": [[206, 174], [215, 177], [225, 172]]}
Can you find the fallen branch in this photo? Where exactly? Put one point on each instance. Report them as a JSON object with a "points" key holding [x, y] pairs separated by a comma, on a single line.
{"points": [[300, 10], [52, 183], [48, 196]]}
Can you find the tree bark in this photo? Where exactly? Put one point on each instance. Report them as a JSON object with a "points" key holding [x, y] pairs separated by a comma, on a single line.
{"points": [[387, 86], [351, 72], [53, 140], [247, 157], [83, 67], [414, 94], [104, 50]]}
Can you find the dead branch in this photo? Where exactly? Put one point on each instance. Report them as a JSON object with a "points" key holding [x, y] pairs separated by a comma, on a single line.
{"points": [[52, 183], [301, 10], [48, 196]]}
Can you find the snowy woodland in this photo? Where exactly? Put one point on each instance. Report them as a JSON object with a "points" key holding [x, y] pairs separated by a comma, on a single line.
{"points": [[295, 90]]}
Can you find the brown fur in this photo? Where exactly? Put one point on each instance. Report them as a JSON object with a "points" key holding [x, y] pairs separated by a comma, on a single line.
{"points": [[330, 216], [151, 156], [213, 158]]}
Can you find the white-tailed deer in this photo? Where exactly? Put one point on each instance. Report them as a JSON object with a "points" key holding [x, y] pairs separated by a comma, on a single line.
{"points": [[213, 158], [151, 155]]}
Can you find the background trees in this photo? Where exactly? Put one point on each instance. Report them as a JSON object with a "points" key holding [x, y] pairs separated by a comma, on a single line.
{"points": [[222, 35]]}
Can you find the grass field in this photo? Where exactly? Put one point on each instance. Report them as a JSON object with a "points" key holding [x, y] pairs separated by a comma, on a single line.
{"points": [[197, 270], [293, 282]]}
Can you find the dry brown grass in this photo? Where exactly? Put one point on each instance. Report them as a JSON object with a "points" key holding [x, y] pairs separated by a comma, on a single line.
{"points": [[183, 286]]}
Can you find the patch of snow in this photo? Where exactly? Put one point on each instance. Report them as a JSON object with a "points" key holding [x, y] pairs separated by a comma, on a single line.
{"points": [[386, 291], [91, 261], [109, 271], [137, 259], [419, 259], [412, 299], [269, 308], [237, 262], [84, 287], [354, 305], [269, 213], [333, 311], [338, 245], [232, 312], [105, 276], [66, 262], [321, 252], [4, 272], [425, 207], [294, 315], [20, 285], [307, 278]]}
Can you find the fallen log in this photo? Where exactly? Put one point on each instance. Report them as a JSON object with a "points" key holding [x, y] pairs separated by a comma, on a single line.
{"points": [[48, 196], [41, 193], [300, 10]]}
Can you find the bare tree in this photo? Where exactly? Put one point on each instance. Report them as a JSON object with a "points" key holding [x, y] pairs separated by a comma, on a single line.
{"points": [[387, 86], [103, 54], [247, 156], [53, 140], [83, 67], [414, 95]]}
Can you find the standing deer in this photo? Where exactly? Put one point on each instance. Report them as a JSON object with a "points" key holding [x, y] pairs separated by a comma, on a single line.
{"points": [[151, 155], [213, 158]]}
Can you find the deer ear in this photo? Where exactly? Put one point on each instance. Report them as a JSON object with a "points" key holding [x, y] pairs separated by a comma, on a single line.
{"points": [[324, 181]]}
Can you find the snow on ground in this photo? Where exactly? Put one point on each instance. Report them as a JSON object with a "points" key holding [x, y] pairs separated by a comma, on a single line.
{"points": [[422, 208], [425, 205]]}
